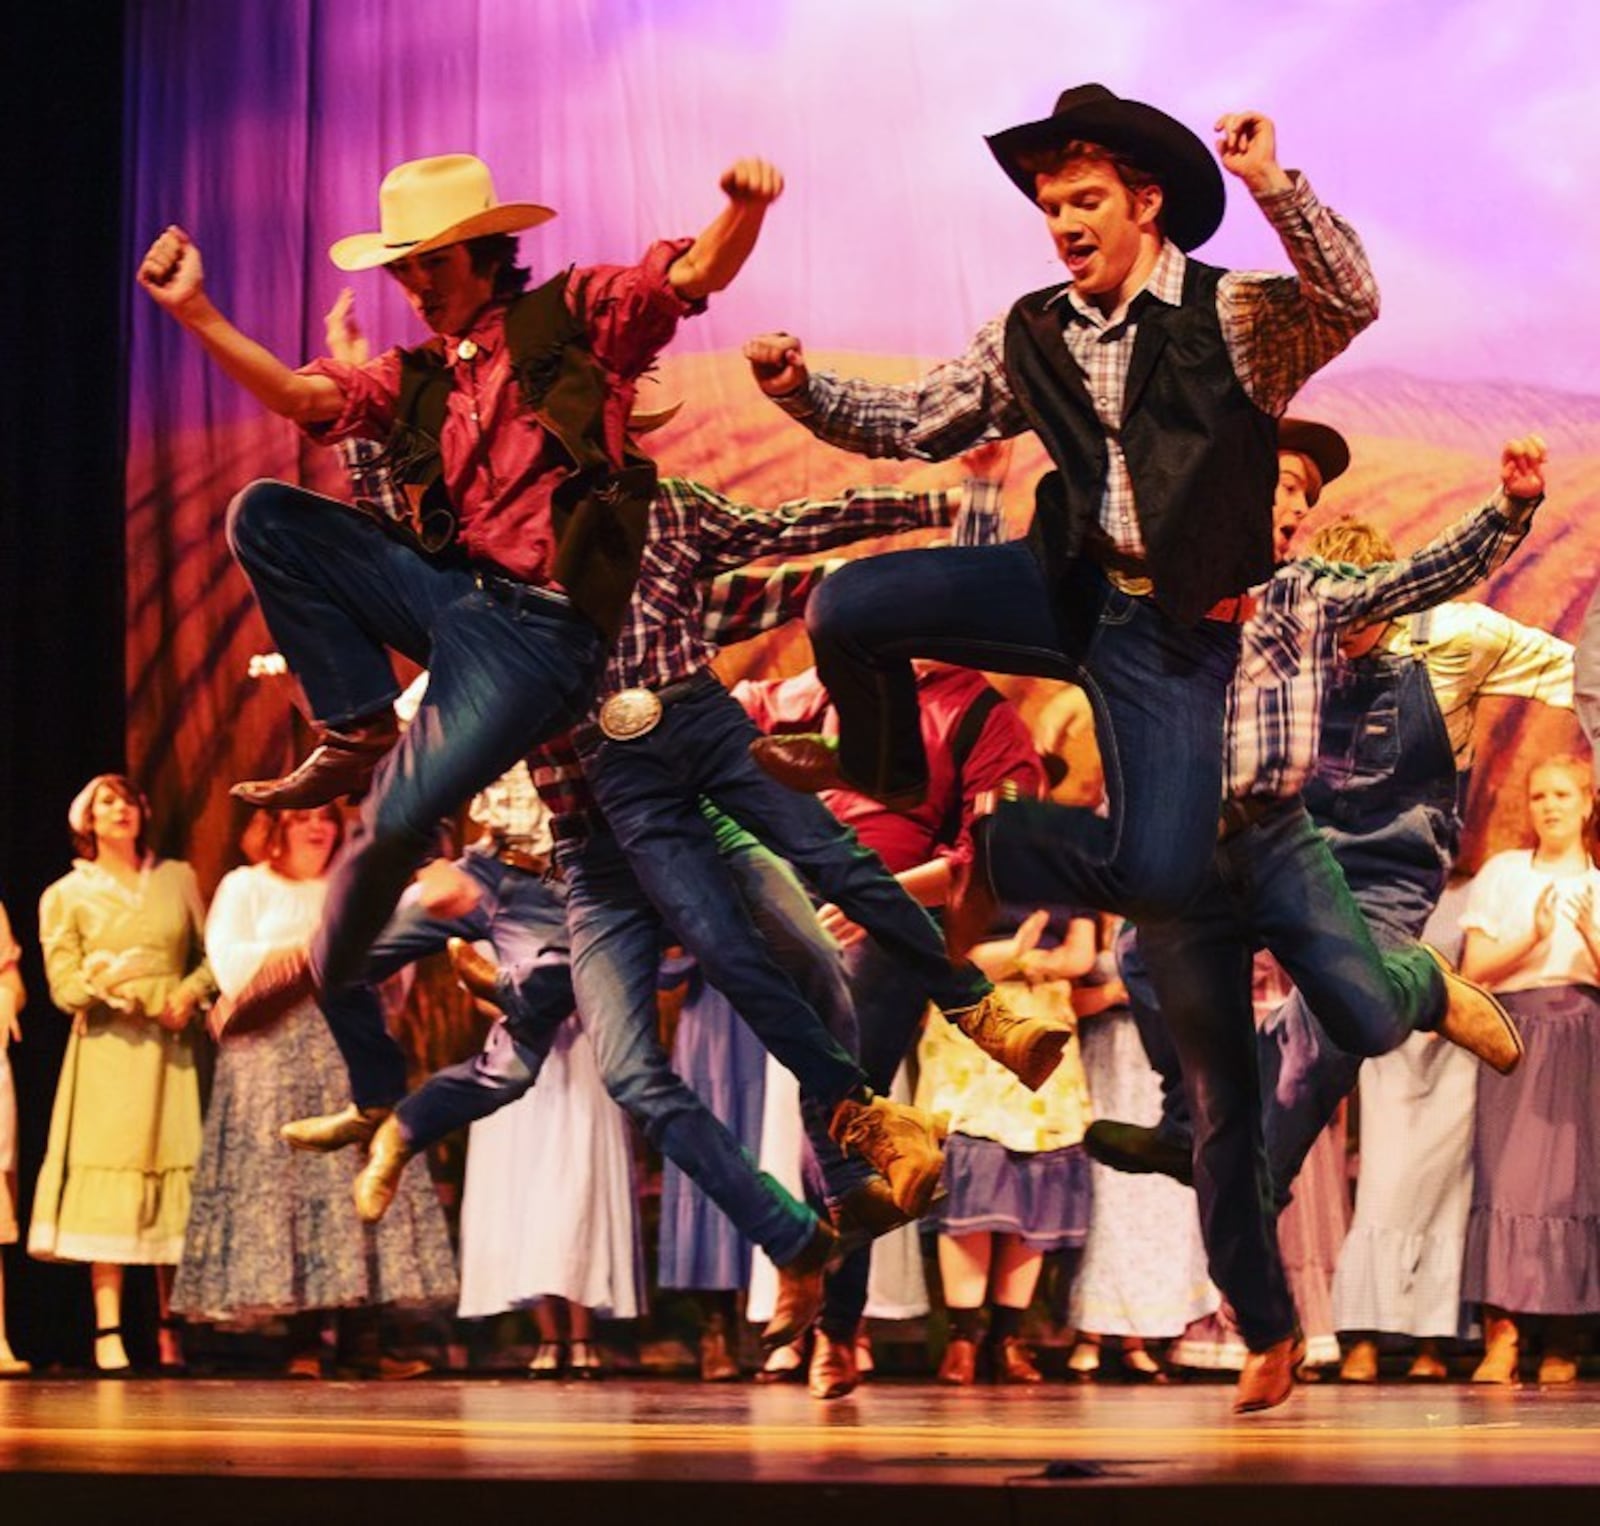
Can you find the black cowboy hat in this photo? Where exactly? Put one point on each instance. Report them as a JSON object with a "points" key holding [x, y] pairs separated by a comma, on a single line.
{"points": [[1192, 195], [1320, 444]]}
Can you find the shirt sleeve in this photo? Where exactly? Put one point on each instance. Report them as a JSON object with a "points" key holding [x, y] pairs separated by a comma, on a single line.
{"points": [[1516, 661], [1485, 910], [731, 534], [370, 393], [1280, 330], [10, 953], [1586, 677], [957, 405], [753, 600], [62, 942], [1465, 554], [233, 943], [631, 310]]}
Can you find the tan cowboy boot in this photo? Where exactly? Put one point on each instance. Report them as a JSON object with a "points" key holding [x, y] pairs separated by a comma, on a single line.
{"points": [[1476, 1021], [380, 1177], [328, 1132], [1029, 1047], [902, 1144], [833, 1371], [1267, 1379]]}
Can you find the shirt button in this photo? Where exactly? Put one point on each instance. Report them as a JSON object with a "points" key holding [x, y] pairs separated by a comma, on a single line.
{"points": [[467, 349]]}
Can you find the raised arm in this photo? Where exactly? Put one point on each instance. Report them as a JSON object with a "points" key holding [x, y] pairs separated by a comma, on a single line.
{"points": [[1464, 554], [1281, 330], [712, 261], [172, 273], [957, 405]]}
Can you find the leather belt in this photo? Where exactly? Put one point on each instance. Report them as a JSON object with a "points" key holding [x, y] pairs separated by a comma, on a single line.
{"points": [[518, 596], [1236, 609], [636, 712]]}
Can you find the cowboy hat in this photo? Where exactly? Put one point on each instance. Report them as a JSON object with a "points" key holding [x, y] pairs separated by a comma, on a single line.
{"points": [[425, 204], [1191, 184], [1323, 446], [653, 405]]}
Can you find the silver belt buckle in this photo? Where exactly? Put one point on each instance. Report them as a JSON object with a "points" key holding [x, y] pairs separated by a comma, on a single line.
{"points": [[630, 713]]}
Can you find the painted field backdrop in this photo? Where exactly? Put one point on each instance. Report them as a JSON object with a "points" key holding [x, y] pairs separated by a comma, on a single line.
{"points": [[1460, 138]]}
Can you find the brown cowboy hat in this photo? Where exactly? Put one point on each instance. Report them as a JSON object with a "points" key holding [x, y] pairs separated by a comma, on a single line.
{"points": [[1191, 184], [1322, 445], [425, 204]]}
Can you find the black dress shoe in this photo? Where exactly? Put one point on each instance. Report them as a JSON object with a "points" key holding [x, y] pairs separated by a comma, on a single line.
{"points": [[1133, 1147], [340, 765]]}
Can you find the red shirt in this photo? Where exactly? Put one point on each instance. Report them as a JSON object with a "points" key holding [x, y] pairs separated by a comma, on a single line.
{"points": [[500, 466], [942, 824]]}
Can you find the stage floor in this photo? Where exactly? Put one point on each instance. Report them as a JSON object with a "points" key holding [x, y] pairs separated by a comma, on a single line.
{"points": [[447, 1450]]}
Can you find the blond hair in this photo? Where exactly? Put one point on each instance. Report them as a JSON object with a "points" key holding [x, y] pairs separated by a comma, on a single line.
{"points": [[1352, 541]]}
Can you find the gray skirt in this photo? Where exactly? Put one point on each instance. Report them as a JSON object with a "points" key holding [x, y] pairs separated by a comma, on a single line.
{"points": [[1043, 1198], [1533, 1238]]}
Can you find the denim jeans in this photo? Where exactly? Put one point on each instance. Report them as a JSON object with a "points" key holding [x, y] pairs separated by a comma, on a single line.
{"points": [[616, 950], [649, 788], [1158, 692], [889, 1010], [522, 915], [1275, 883], [336, 591]]}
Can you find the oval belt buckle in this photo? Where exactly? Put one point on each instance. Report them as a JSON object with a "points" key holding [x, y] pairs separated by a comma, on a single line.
{"points": [[629, 713]]}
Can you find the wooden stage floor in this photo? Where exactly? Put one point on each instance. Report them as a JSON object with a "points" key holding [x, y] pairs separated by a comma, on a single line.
{"points": [[446, 1452]]}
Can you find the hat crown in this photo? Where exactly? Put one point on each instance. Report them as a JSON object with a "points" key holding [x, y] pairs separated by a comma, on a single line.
{"points": [[423, 196], [1079, 96]]}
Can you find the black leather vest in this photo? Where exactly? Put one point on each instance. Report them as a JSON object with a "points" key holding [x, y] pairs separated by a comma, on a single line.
{"points": [[1202, 456], [601, 508]]}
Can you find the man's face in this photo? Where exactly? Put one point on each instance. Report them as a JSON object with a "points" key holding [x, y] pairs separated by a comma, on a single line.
{"points": [[443, 288], [1104, 233], [1290, 503]]}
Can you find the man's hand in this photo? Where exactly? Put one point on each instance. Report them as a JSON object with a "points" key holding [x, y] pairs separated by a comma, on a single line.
{"points": [[342, 333], [752, 180], [778, 363], [446, 891], [988, 462], [1522, 467], [171, 270], [1247, 144], [839, 927]]}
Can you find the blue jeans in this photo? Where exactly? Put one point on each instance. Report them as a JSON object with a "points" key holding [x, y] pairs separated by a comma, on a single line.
{"points": [[522, 915], [889, 1010], [649, 789], [1158, 692], [616, 951], [336, 591], [1275, 883]]}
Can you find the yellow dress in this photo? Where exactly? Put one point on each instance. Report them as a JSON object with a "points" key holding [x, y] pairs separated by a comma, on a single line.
{"points": [[125, 1129]]}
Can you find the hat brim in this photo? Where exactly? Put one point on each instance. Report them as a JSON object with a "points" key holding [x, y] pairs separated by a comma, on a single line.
{"points": [[1193, 196], [367, 251], [1321, 444]]}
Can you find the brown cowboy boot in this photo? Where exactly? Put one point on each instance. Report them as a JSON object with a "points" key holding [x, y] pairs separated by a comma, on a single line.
{"points": [[903, 1145], [1476, 1021], [341, 764], [833, 1371], [387, 1156], [866, 1212], [283, 980], [809, 762], [1013, 1362], [1029, 1047], [799, 1298], [1267, 1378], [333, 1131]]}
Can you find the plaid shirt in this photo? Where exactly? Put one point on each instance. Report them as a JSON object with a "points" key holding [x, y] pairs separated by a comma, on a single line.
{"points": [[743, 603], [1290, 646], [1279, 331], [697, 533]]}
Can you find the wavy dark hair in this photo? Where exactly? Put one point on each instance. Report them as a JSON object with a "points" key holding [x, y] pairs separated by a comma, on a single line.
{"points": [[84, 844], [495, 255]]}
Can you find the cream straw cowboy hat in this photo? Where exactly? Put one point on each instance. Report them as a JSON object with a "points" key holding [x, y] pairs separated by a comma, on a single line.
{"points": [[427, 203]]}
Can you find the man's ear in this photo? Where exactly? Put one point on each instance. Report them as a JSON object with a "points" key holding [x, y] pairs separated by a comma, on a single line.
{"points": [[1147, 204]]}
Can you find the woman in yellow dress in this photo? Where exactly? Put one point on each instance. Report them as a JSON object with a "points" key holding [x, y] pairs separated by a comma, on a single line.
{"points": [[124, 955]]}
